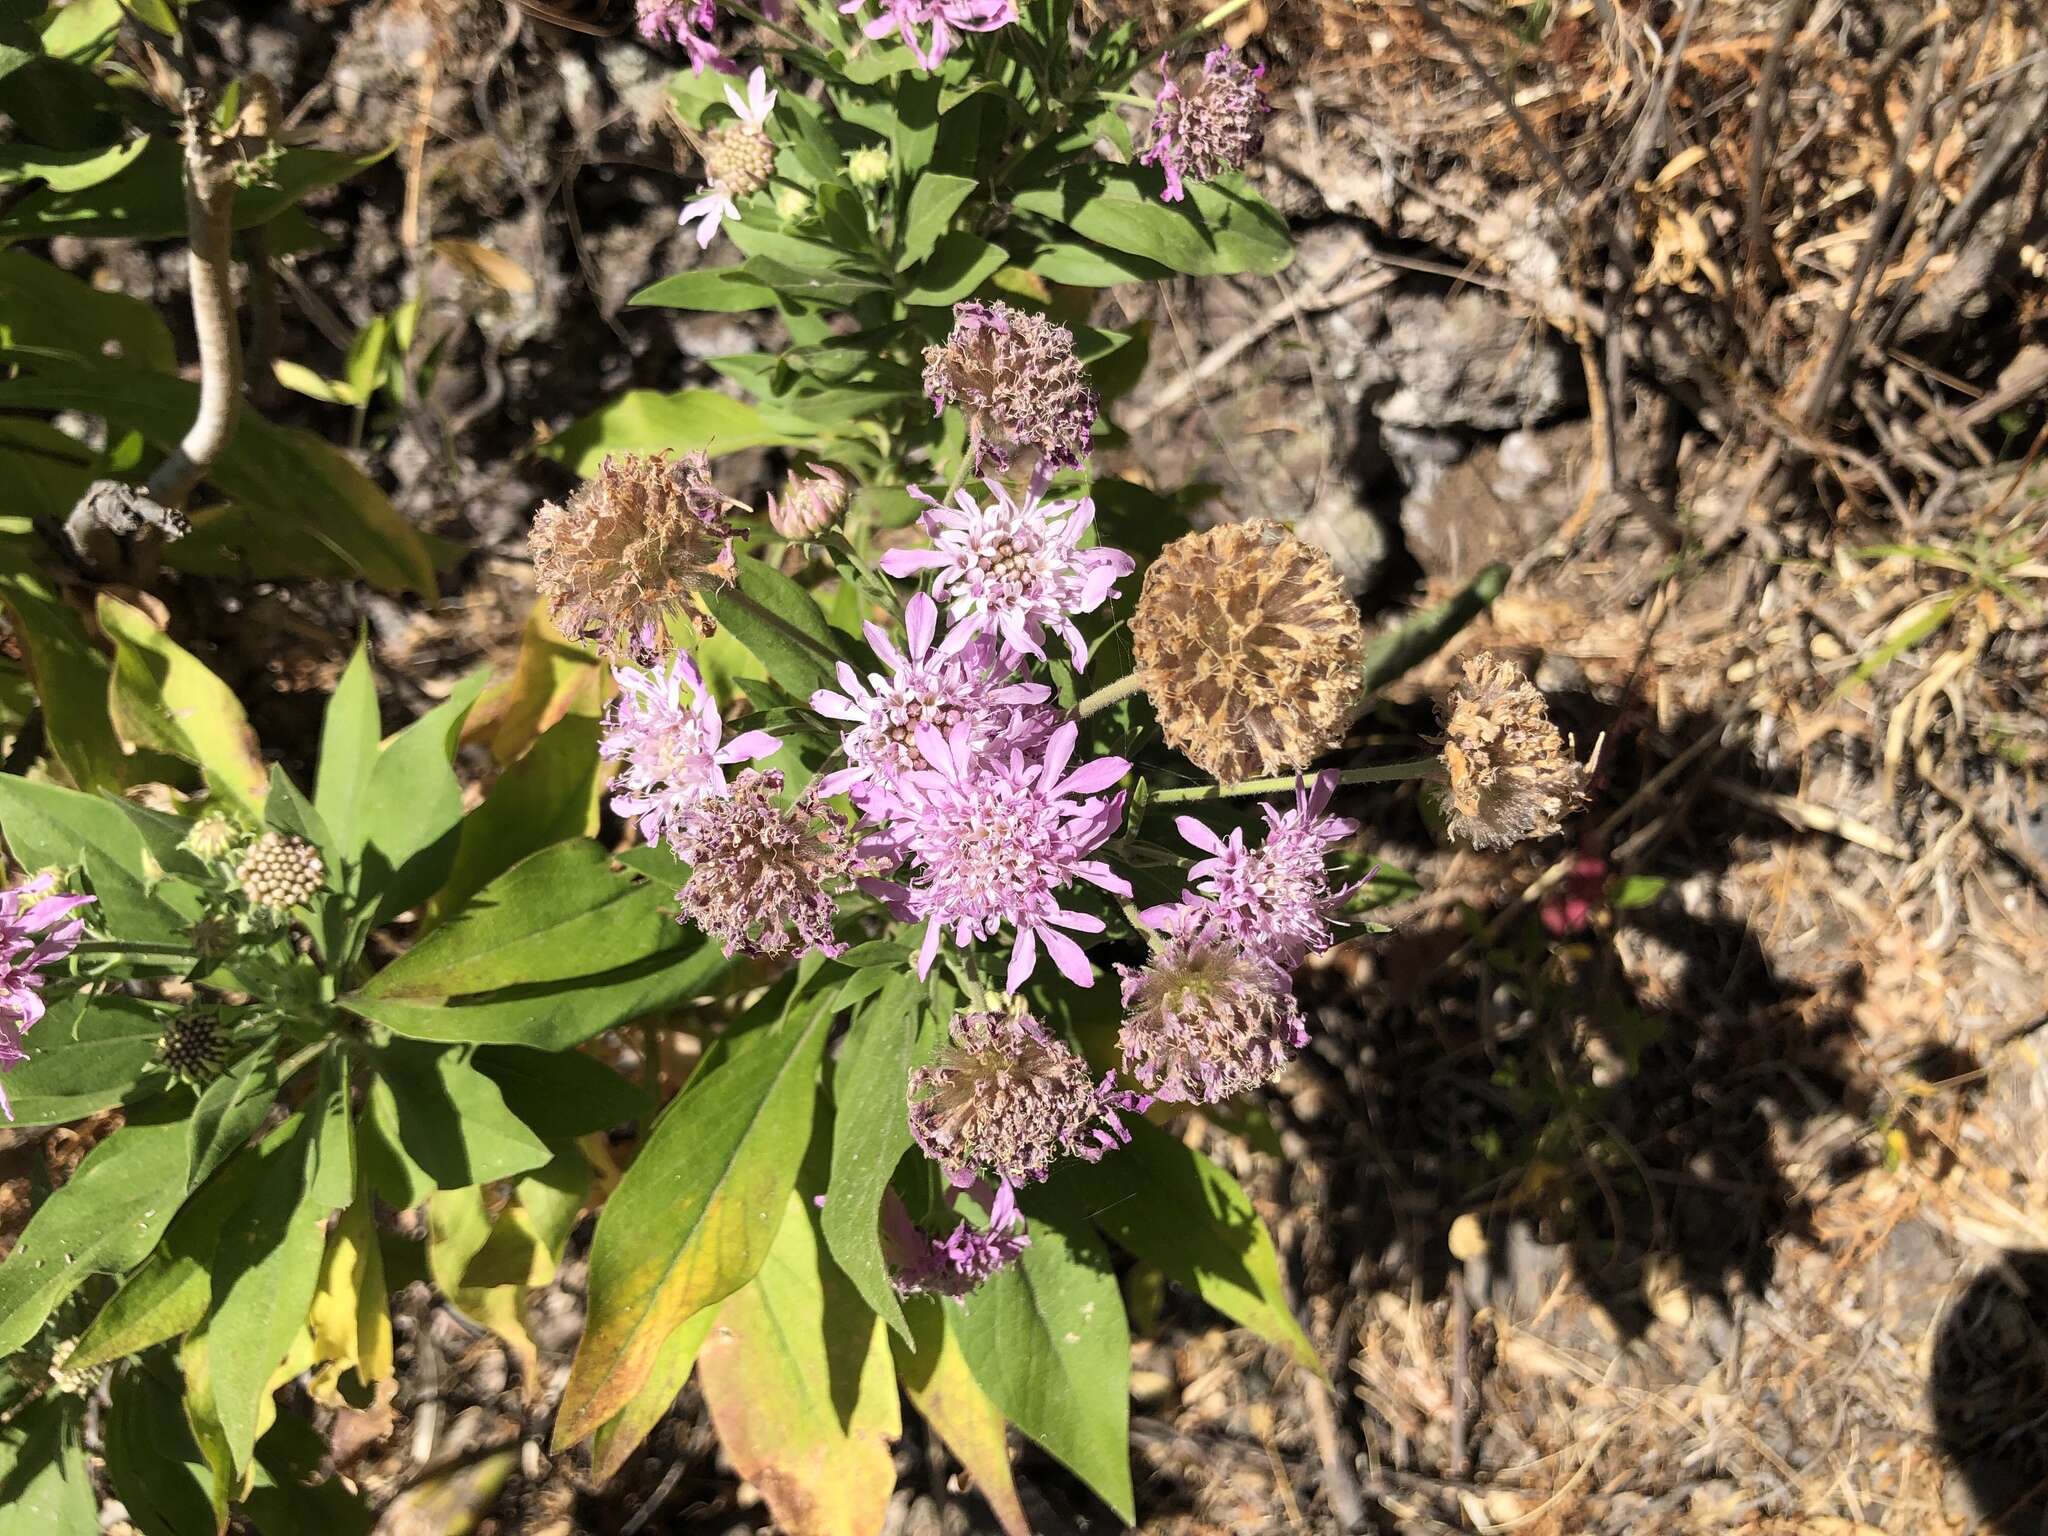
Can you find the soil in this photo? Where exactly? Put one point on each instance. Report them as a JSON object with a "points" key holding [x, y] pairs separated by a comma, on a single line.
{"points": [[1685, 1177]]}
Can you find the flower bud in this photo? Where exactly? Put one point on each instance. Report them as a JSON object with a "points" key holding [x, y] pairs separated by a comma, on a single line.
{"points": [[868, 167], [809, 505], [280, 872]]}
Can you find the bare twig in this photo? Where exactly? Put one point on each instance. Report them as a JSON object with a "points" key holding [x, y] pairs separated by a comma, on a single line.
{"points": [[1501, 94]]}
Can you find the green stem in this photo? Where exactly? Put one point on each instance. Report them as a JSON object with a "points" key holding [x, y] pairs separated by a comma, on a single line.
{"points": [[122, 947], [1214, 19], [1382, 773], [1110, 693]]}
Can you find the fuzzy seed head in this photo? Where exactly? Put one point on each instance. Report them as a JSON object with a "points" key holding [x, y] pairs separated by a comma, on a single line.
{"points": [[193, 1047], [739, 159], [280, 871], [1249, 649], [810, 503], [213, 836], [1007, 1099], [1015, 377], [763, 875], [1206, 1019], [1217, 124], [647, 535], [1512, 775]]}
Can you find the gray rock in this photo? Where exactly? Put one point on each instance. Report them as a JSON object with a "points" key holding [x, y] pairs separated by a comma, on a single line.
{"points": [[1468, 361]]}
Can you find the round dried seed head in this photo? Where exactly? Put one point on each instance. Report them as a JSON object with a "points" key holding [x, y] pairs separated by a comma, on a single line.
{"points": [[280, 871], [646, 535], [1004, 1097], [193, 1047], [763, 875], [213, 836], [1512, 774], [1016, 378], [1206, 1019], [1249, 649]]}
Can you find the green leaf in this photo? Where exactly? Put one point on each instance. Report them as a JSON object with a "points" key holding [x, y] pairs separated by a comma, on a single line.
{"points": [[87, 1053], [45, 1484], [290, 1494], [103, 1221], [1221, 227], [801, 1389], [164, 697], [646, 421], [617, 1438], [715, 290], [50, 827], [349, 737], [1193, 1221], [933, 201], [67, 170], [229, 1112], [412, 807], [693, 1217], [781, 624], [397, 1179], [71, 676], [1417, 638], [871, 1130], [1047, 1340], [266, 1270], [145, 201], [940, 1386], [549, 794], [301, 487], [44, 306], [1078, 264], [961, 264], [332, 1171], [559, 1095], [154, 1466], [452, 1119]]}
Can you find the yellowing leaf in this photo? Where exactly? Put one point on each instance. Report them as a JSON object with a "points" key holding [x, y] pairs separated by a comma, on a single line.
{"points": [[552, 677], [943, 1389], [350, 1318], [458, 1227], [797, 1376], [162, 696], [480, 261]]}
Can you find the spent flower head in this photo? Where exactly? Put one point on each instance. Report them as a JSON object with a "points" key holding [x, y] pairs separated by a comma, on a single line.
{"points": [[1015, 377], [1512, 774], [1016, 569], [1275, 899], [763, 876], [37, 930], [960, 686], [739, 159], [1249, 649], [992, 840], [647, 535], [664, 732], [1206, 1018], [280, 872], [1216, 125], [968, 1255], [941, 20], [193, 1046], [689, 25], [1007, 1099]]}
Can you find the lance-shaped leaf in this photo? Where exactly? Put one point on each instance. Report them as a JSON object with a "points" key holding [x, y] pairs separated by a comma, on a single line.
{"points": [[617, 1438], [940, 1386], [694, 1216], [162, 696], [89, 1053], [798, 1379]]}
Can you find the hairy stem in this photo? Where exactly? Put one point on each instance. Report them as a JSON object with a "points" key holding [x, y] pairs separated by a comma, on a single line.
{"points": [[1110, 693], [1381, 773]]}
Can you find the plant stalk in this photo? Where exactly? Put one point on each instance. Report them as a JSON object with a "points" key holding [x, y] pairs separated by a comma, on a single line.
{"points": [[1380, 773], [1110, 693]]}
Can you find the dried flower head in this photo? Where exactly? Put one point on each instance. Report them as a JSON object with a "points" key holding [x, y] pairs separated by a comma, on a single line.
{"points": [[280, 871], [965, 1257], [763, 875], [1007, 1099], [1511, 770], [1015, 377], [810, 503], [1249, 649], [213, 836], [1206, 1018], [193, 1046], [37, 930], [647, 535], [1216, 125]]}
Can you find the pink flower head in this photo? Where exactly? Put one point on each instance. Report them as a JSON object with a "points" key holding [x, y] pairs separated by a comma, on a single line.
{"points": [[1276, 899], [688, 24], [663, 730], [1017, 570], [1216, 127], [739, 159], [36, 931], [965, 1257], [958, 685], [991, 841], [943, 17]]}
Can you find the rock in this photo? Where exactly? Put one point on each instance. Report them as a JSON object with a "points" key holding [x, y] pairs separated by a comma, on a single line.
{"points": [[1355, 540], [1467, 361]]}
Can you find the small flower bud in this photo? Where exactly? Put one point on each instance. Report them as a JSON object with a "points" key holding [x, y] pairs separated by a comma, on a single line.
{"points": [[869, 166], [791, 203], [193, 1047], [280, 872], [212, 837], [809, 505]]}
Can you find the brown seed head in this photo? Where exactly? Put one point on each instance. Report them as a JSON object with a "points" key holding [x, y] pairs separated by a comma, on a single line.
{"points": [[645, 536], [1511, 771], [280, 872], [1249, 649], [762, 875]]}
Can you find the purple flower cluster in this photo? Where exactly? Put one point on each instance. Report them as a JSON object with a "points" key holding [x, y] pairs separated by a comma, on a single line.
{"points": [[1217, 125], [36, 931], [954, 1265], [688, 24], [663, 730], [942, 20]]}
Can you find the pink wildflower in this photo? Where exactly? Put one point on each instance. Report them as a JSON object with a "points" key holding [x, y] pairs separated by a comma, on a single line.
{"points": [[36, 931], [1215, 127], [958, 1263], [945, 18], [667, 745]]}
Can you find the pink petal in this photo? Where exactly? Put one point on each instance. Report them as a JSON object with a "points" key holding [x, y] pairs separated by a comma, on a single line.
{"points": [[1023, 960], [1198, 835], [907, 562], [1069, 957]]}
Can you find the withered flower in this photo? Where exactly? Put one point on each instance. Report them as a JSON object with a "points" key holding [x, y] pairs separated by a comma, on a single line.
{"points": [[763, 875], [647, 535], [1015, 377], [1249, 649], [810, 503], [1512, 775]]}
